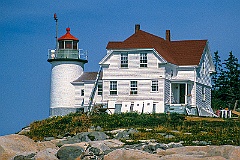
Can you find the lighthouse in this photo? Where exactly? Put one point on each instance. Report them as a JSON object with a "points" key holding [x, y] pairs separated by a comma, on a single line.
{"points": [[67, 65]]}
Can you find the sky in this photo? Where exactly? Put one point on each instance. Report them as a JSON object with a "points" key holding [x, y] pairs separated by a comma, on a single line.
{"points": [[27, 31]]}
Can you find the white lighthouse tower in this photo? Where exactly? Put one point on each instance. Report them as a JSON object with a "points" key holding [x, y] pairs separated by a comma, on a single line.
{"points": [[67, 66]]}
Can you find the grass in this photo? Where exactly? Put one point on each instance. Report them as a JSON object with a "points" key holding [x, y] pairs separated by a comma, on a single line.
{"points": [[215, 131]]}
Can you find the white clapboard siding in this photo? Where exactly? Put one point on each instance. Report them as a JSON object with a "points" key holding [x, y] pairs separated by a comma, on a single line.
{"points": [[78, 97], [200, 101], [167, 91], [144, 91], [114, 71], [185, 74], [134, 72], [203, 72]]}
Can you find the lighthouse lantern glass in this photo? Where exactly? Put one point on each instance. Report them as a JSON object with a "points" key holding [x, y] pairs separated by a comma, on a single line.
{"points": [[61, 44], [68, 45], [74, 44]]}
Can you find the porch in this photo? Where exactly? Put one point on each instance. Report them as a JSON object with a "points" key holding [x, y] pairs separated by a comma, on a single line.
{"points": [[181, 98]]}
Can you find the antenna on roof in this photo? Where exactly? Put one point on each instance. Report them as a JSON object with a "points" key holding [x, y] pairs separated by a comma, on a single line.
{"points": [[56, 20]]}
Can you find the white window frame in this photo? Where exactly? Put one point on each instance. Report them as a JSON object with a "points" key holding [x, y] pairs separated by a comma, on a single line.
{"points": [[204, 67], [143, 60], [113, 87], [133, 88], [154, 86], [124, 60]]}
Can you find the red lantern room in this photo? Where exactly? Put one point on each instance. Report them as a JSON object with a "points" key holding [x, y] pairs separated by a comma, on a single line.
{"points": [[67, 49], [68, 41]]}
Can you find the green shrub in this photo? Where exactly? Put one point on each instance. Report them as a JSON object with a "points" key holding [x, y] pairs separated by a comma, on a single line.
{"points": [[216, 132]]}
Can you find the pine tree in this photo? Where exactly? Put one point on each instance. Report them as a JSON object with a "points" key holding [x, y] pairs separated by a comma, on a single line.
{"points": [[217, 102], [230, 84], [218, 70], [225, 82]]}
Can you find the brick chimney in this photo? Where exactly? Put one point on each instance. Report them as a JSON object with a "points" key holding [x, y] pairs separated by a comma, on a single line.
{"points": [[168, 35], [137, 27]]}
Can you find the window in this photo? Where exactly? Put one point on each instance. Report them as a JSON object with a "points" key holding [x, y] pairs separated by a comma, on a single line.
{"points": [[133, 87], [124, 60], [68, 44], [75, 44], [143, 59], [155, 85], [113, 87], [204, 67], [203, 93], [61, 44], [100, 89], [82, 92]]}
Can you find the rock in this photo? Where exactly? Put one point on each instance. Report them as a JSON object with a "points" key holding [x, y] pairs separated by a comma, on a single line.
{"points": [[12, 145], [47, 154], [80, 137], [59, 136], [93, 151], [169, 136], [122, 135], [28, 157], [201, 152], [224, 151], [125, 134], [84, 137], [235, 154], [132, 131], [98, 128], [116, 131], [69, 152], [91, 129], [24, 131], [46, 144], [149, 148], [48, 138], [135, 146], [162, 146], [100, 145], [131, 154], [174, 145], [113, 143], [95, 136]]}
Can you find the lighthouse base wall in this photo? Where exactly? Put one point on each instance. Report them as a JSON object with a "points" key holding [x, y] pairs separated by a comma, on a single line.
{"points": [[62, 95], [62, 111]]}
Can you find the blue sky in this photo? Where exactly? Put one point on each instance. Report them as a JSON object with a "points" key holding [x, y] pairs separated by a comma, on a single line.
{"points": [[27, 31]]}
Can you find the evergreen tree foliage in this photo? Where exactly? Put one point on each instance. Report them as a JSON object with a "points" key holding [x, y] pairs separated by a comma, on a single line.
{"points": [[218, 70], [226, 85], [216, 79], [231, 81]]}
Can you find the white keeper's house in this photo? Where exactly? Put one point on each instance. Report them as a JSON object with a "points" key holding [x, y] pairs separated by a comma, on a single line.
{"points": [[144, 73]]}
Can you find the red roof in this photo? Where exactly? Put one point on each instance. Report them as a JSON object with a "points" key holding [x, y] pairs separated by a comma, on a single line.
{"points": [[68, 36], [187, 52]]}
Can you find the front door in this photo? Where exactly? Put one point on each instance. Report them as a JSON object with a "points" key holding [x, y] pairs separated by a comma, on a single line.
{"points": [[182, 94]]}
